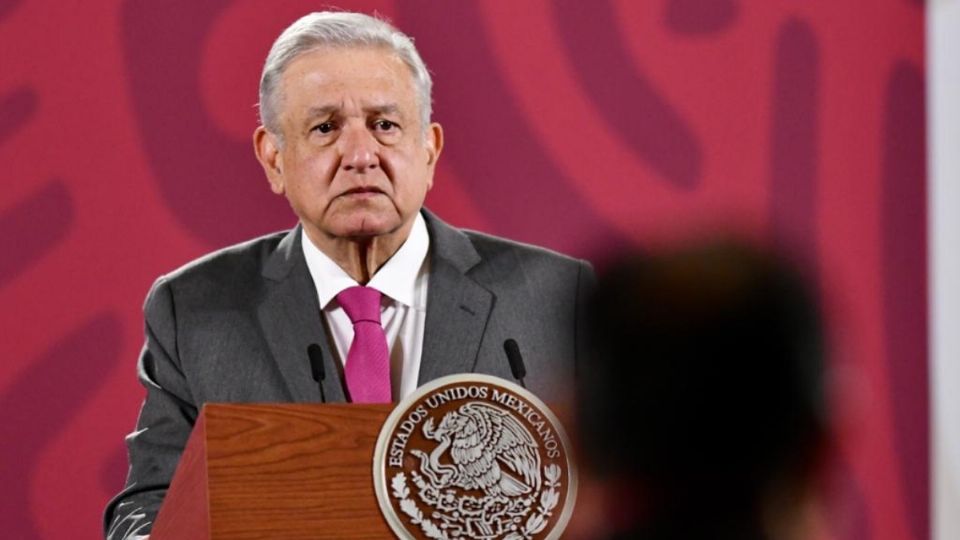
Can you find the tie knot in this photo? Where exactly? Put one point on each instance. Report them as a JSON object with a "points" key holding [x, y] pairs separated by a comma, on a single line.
{"points": [[361, 304]]}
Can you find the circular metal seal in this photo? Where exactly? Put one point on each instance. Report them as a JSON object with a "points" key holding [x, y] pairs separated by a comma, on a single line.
{"points": [[474, 457]]}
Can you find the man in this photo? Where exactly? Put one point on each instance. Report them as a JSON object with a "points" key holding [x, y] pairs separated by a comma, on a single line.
{"points": [[347, 139]]}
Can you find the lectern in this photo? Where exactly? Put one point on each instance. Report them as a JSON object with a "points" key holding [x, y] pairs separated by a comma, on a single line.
{"points": [[277, 471]]}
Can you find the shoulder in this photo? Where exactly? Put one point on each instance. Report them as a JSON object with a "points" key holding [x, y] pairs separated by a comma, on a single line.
{"points": [[472, 251], [495, 250], [529, 272], [231, 268]]}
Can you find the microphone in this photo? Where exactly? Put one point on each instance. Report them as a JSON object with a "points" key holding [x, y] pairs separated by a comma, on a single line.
{"points": [[316, 367], [516, 361]]}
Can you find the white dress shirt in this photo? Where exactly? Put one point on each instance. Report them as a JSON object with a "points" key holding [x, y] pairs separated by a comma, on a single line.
{"points": [[402, 281]]}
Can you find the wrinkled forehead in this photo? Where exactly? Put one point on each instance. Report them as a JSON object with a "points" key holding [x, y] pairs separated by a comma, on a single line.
{"points": [[361, 71]]}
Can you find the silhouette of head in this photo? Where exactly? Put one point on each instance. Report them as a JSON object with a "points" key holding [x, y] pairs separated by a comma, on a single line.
{"points": [[703, 401]]}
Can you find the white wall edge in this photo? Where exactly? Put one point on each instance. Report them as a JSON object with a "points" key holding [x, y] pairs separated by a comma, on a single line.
{"points": [[943, 117]]}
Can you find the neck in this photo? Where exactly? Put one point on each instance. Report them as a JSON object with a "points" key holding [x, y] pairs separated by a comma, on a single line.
{"points": [[359, 257]]}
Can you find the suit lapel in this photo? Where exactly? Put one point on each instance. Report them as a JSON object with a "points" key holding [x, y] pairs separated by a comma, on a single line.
{"points": [[291, 321], [457, 306]]}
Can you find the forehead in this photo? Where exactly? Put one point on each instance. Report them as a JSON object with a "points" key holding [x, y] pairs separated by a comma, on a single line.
{"points": [[328, 76]]}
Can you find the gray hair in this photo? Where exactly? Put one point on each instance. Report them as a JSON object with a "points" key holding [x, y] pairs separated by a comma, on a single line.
{"points": [[338, 29]]}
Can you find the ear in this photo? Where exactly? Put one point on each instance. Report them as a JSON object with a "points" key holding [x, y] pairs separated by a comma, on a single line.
{"points": [[266, 146], [434, 143]]}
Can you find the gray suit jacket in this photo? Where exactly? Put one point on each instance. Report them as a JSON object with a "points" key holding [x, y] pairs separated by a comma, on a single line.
{"points": [[234, 326]]}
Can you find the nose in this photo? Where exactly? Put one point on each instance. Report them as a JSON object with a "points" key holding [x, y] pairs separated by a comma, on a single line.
{"points": [[358, 150]]}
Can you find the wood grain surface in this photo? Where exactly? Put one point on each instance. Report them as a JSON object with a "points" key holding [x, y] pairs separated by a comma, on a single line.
{"points": [[286, 472]]}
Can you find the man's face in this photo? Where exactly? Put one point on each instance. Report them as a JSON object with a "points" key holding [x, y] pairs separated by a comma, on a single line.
{"points": [[355, 161]]}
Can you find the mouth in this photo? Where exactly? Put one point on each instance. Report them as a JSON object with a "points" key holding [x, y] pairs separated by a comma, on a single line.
{"points": [[365, 191]]}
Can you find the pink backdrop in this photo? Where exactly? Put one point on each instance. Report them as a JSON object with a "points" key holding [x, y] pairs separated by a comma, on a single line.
{"points": [[125, 151]]}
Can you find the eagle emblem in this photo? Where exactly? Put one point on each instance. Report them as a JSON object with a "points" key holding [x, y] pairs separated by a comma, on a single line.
{"points": [[474, 457], [489, 449]]}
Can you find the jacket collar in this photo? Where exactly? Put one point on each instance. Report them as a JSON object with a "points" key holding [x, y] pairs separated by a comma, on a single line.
{"points": [[458, 307], [290, 317]]}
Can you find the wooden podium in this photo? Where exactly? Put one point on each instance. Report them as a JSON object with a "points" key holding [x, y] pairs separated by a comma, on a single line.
{"points": [[277, 471]]}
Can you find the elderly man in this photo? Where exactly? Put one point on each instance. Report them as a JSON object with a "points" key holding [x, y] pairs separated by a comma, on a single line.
{"points": [[383, 294]]}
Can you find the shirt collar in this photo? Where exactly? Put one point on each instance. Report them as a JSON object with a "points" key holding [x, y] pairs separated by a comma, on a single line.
{"points": [[396, 278]]}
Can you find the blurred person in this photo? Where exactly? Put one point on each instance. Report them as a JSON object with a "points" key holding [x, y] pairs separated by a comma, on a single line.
{"points": [[703, 412]]}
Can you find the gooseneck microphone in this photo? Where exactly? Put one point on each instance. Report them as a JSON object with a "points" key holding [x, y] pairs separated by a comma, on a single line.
{"points": [[516, 361], [316, 367]]}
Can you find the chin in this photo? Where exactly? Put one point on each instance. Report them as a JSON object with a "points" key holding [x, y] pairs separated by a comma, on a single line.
{"points": [[369, 226]]}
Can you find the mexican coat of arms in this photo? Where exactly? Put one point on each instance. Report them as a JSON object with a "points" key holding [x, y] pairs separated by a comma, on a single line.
{"points": [[474, 457]]}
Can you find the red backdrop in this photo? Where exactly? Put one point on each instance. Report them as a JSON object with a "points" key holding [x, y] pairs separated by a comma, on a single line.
{"points": [[125, 151]]}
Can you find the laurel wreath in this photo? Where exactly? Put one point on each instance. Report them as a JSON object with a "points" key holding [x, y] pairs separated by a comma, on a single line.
{"points": [[548, 501], [402, 492], [549, 498]]}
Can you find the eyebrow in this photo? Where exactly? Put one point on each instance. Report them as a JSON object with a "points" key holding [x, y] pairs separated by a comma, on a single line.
{"points": [[387, 108], [326, 110]]}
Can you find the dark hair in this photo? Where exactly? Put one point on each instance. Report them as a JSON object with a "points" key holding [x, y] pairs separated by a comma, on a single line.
{"points": [[705, 382]]}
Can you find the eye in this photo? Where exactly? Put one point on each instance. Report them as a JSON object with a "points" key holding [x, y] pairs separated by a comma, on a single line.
{"points": [[325, 127], [385, 125]]}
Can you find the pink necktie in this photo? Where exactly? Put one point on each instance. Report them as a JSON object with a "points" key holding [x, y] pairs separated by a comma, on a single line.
{"points": [[368, 361]]}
